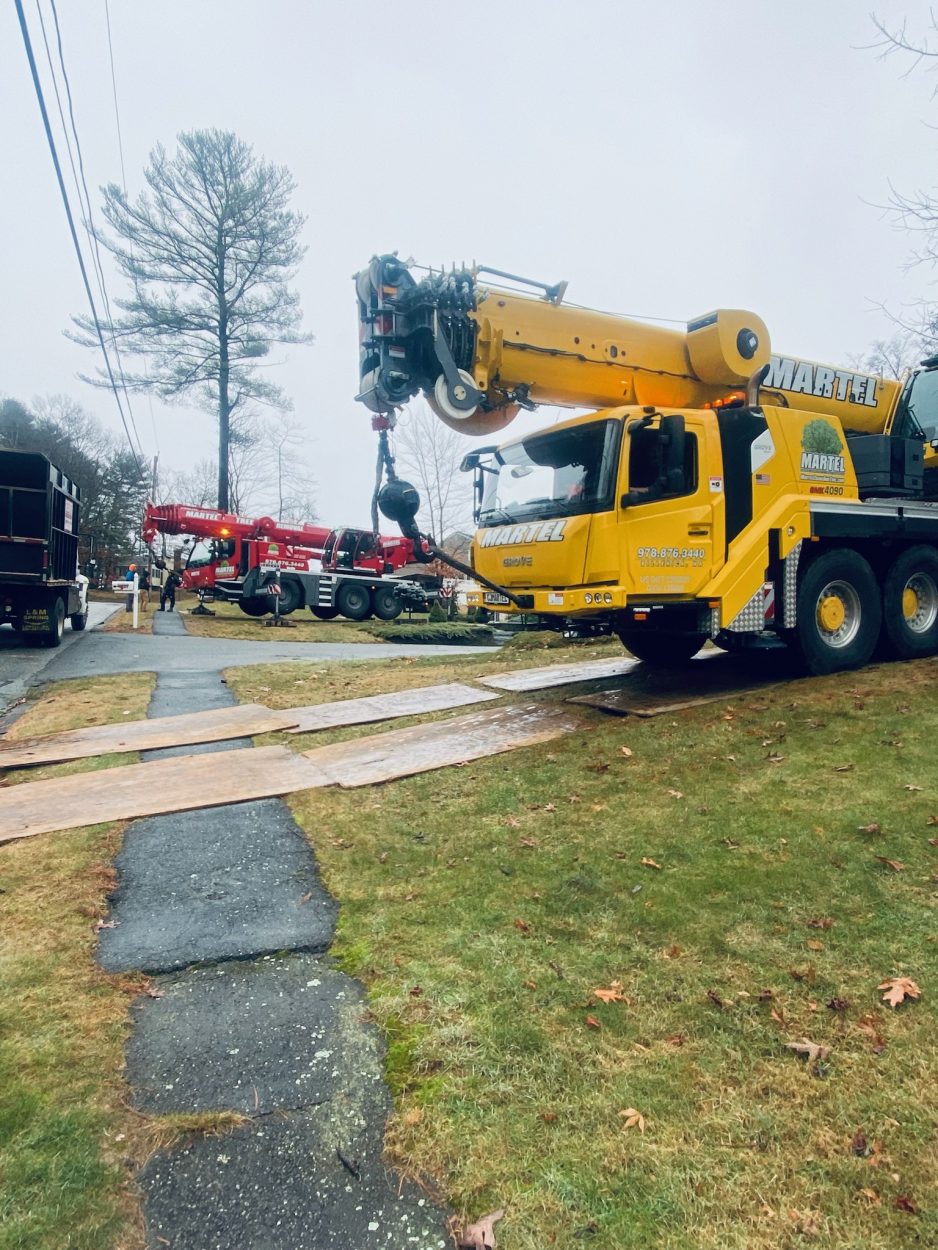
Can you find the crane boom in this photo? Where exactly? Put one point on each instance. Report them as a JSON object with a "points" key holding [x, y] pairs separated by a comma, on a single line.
{"points": [[480, 353]]}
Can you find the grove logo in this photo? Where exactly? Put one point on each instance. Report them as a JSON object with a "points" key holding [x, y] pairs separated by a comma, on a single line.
{"points": [[822, 453]]}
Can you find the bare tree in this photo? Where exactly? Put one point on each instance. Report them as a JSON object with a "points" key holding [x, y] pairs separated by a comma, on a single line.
{"points": [[431, 452], [892, 357], [209, 250]]}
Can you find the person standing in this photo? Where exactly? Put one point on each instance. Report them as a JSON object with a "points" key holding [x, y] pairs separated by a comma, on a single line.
{"points": [[143, 586], [168, 591]]}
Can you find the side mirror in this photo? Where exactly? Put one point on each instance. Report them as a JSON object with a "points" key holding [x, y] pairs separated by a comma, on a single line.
{"points": [[674, 439]]}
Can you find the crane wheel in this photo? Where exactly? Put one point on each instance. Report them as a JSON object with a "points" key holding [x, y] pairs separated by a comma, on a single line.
{"points": [[354, 601], [388, 606], [661, 650], [910, 604], [254, 606], [324, 614], [839, 612], [291, 596]]}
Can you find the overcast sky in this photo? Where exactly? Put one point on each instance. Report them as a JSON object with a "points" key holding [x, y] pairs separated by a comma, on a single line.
{"points": [[666, 158]]}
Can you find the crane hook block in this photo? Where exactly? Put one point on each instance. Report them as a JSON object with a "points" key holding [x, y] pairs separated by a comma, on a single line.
{"points": [[399, 501]]}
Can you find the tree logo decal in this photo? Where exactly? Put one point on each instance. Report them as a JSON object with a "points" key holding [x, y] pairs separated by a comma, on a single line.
{"points": [[822, 452]]}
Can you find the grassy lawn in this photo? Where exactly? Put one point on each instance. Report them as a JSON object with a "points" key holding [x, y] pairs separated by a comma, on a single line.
{"points": [[738, 877], [230, 622], [65, 1134]]}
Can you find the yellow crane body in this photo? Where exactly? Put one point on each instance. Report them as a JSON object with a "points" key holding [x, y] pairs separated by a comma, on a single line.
{"points": [[714, 489]]}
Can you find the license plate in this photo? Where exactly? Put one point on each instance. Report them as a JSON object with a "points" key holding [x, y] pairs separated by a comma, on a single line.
{"points": [[491, 597]]}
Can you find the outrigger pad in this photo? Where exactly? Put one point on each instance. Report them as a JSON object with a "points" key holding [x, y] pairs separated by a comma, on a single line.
{"points": [[558, 675]]}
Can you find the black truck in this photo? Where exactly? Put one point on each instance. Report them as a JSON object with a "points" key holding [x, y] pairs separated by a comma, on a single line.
{"points": [[39, 581]]}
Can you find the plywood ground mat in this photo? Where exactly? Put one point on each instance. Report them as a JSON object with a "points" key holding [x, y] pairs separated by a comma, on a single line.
{"points": [[526, 679], [215, 725], [377, 707], [241, 721], [659, 693], [187, 782]]}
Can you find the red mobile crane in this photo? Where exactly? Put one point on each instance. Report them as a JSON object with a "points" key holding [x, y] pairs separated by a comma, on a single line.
{"points": [[233, 555]]}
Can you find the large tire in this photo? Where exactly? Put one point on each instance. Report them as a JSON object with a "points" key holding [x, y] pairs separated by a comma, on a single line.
{"points": [[255, 606], [291, 596], [79, 620], [839, 612], [354, 601], [324, 614], [56, 629], [661, 650], [910, 604], [388, 606]]}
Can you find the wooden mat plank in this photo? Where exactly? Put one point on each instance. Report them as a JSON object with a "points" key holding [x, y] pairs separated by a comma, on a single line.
{"points": [[629, 702], [421, 748], [172, 785], [385, 706], [558, 675], [214, 725]]}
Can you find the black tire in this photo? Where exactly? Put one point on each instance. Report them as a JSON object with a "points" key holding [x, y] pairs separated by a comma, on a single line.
{"points": [[254, 607], [661, 650], [387, 604], [839, 612], [354, 601], [79, 620], [291, 596], [910, 604], [324, 614], [56, 629]]}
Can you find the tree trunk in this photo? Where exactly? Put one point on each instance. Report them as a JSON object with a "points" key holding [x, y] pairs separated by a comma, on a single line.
{"points": [[224, 404]]}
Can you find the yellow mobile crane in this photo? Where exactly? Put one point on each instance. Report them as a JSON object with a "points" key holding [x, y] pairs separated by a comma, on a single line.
{"points": [[714, 489]]}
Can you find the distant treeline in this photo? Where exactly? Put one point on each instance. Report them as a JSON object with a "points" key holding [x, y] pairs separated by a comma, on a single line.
{"points": [[113, 487]]}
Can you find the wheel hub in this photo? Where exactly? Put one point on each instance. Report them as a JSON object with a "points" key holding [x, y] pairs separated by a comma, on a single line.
{"points": [[831, 614], [920, 603], [838, 614]]}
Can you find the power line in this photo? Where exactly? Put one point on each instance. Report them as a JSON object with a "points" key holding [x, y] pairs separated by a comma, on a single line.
{"points": [[89, 224], [27, 43], [117, 115]]}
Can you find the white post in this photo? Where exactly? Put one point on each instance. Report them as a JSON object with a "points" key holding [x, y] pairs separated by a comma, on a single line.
{"points": [[136, 595]]}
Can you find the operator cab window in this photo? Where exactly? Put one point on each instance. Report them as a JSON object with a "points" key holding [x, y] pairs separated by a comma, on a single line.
{"points": [[650, 476], [919, 406]]}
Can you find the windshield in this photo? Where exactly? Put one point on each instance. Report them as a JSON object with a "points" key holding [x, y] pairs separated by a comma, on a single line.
{"points": [[560, 473], [206, 551], [919, 406]]}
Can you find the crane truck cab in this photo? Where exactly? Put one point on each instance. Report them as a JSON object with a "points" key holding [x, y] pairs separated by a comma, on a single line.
{"points": [[715, 490]]}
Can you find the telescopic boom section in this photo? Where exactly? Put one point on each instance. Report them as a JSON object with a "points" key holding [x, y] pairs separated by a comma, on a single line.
{"points": [[482, 353], [175, 518]]}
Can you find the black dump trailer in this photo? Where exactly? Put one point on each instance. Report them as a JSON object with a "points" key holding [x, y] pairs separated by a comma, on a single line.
{"points": [[39, 516]]}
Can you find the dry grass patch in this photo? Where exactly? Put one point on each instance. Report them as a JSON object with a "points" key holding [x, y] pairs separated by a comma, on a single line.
{"points": [[65, 1133], [725, 882]]}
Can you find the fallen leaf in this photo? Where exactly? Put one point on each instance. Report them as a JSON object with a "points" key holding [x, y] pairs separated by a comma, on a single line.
{"points": [[650, 863], [598, 807], [932, 820], [804, 974], [814, 945], [898, 989], [613, 994], [933, 841], [550, 807], [675, 794], [820, 922], [481, 1234], [549, 1117], [672, 952], [409, 898], [872, 1196], [838, 1004], [812, 1051], [843, 768], [912, 787], [904, 1203], [602, 767], [775, 758], [633, 1119], [512, 822], [715, 998], [528, 842], [522, 926], [105, 924], [730, 844], [859, 1145], [529, 985], [592, 1023], [675, 1039], [416, 991], [307, 896], [873, 828], [870, 1026], [895, 864], [627, 752]]}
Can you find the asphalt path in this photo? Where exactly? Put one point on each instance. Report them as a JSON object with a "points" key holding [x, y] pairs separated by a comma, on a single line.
{"points": [[96, 652], [22, 666]]}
